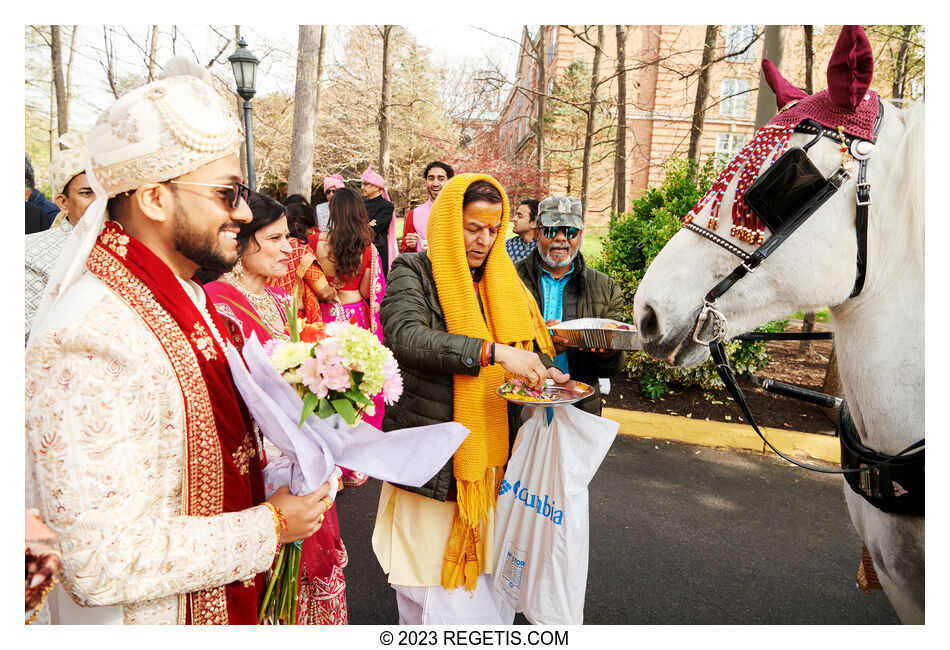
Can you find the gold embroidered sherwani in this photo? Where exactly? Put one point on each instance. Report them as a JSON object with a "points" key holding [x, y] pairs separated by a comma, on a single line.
{"points": [[105, 428]]}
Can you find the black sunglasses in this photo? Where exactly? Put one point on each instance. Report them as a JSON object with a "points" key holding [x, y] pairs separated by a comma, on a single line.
{"points": [[236, 191], [329, 192], [551, 231]]}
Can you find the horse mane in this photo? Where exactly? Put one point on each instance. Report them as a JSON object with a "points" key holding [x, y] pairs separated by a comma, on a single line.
{"points": [[914, 172]]}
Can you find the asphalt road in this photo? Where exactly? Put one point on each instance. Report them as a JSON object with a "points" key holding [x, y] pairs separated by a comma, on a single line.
{"points": [[684, 535]]}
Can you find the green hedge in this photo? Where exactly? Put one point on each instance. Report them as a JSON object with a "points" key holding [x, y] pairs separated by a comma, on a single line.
{"points": [[632, 242]]}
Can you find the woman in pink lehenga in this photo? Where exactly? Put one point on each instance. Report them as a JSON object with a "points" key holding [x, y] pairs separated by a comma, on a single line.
{"points": [[351, 264], [247, 306]]}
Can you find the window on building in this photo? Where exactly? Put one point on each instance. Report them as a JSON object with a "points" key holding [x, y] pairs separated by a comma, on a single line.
{"points": [[734, 100], [737, 38], [728, 145], [553, 44]]}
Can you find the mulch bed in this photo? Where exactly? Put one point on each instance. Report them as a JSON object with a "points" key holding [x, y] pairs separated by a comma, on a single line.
{"points": [[716, 405]]}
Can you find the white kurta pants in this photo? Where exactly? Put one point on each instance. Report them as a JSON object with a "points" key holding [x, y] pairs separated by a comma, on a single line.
{"points": [[439, 606]]}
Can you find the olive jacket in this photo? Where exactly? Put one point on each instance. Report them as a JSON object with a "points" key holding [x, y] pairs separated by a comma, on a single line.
{"points": [[588, 294]]}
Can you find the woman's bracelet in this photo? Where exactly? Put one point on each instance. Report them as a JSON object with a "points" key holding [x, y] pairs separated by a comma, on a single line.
{"points": [[280, 521]]}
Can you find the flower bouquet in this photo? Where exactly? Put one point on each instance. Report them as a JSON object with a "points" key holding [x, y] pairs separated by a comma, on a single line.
{"points": [[336, 368], [307, 395]]}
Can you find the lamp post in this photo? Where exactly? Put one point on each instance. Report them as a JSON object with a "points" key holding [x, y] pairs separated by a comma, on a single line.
{"points": [[244, 65]]}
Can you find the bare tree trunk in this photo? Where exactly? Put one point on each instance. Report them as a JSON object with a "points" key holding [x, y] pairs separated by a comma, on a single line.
{"points": [[69, 66], [238, 102], [110, 58], [702, 93], [300, 177], [52, 118], [809, 58], [807, 348], [316, 82], [773, 51], [152, 48], [385, 101], [620, 157], [900, 71], [541, 97], [832, 384], [62, 106], [591, 116]]}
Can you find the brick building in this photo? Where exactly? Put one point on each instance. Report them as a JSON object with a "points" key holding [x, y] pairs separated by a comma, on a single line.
{"points": [[662, 62]]}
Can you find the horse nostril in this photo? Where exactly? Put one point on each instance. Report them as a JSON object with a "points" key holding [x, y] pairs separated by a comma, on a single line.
{"points": [[648, 325]]}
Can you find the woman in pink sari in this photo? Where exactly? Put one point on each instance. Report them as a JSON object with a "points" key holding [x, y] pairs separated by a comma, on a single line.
{"points": [[351, 263], [248, 306]]}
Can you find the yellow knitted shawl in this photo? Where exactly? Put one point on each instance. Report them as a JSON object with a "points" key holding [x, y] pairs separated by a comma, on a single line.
{"points": [[511, 317]]}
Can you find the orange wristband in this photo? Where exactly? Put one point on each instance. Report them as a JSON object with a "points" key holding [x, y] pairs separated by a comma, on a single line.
{"points": [[280, 521]]}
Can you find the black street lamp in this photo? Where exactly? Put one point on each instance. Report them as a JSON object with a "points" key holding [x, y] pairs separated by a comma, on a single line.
{"points": [[244, 65]]}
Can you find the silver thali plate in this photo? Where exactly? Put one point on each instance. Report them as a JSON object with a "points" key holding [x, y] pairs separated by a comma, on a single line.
{"points": [[562, 393]]}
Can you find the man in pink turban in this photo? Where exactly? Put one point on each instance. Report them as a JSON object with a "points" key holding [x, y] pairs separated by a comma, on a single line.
{"points": [[380, 211], [330, 185]]}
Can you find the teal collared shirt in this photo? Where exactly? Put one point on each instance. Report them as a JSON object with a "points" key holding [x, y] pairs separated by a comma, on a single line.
{"points": [[552, 292]]}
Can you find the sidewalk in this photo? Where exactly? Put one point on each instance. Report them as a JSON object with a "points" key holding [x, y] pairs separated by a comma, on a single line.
{"points": [[724, 434]]}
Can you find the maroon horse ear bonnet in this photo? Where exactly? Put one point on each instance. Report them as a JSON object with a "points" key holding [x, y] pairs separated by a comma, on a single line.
{"points": [[846, 106]]}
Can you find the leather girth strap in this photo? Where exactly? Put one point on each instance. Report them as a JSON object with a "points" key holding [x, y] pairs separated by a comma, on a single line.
{"points": [[896, 486]]}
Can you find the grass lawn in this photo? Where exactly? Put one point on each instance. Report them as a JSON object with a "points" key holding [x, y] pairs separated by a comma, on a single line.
{"points": [[822, 315], [592, 245]]}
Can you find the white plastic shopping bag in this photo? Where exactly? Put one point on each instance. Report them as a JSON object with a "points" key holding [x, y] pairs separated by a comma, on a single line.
{"points": [[541, 527]]}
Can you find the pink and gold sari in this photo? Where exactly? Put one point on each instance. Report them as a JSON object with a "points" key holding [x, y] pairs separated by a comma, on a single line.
{"points": [[364, 313], [322, 596]]}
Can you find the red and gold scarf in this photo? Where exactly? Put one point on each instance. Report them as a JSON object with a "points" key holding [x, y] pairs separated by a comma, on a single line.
{"points": [[222, 468]]}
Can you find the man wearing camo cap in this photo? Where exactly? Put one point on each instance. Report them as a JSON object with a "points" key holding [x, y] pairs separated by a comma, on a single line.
{"points": [[566, 288]]}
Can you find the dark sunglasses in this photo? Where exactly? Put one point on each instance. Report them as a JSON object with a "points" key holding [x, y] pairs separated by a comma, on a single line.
{"points": [[329, 192], [551, 231], [236, 191]]}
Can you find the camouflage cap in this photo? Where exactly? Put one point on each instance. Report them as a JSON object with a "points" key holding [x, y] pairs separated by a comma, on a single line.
{"points": [[561, 211]]}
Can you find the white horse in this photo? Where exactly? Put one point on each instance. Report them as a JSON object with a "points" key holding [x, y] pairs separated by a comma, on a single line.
{"points": [[879, 334]]}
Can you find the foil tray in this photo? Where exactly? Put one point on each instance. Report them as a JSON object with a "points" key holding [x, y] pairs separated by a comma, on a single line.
{"points": [[593, 333]]}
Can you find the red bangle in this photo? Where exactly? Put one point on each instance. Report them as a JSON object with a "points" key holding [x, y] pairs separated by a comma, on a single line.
{"points": [[483, 360]]}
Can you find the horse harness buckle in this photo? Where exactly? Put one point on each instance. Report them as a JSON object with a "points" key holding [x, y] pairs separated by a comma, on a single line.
{"points": [[719, 324]]}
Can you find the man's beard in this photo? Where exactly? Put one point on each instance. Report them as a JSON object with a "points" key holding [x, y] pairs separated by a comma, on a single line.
{"points": [[558, 264], [200, 248]]}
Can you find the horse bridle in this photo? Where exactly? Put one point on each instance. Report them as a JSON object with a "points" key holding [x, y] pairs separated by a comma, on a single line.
{"points": [[860, 150]]}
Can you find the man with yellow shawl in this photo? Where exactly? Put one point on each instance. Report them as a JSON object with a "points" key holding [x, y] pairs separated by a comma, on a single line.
{"points": [[460, 323]]}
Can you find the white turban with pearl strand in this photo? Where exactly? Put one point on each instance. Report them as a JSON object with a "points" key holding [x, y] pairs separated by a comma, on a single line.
{"points": [[152, 134]]}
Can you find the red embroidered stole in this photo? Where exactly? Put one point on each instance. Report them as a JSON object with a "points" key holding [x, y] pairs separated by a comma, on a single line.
{"points": [[222, 470]]}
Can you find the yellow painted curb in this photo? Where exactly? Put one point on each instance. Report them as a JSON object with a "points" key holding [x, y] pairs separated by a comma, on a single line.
{"points": [[724, 434]]}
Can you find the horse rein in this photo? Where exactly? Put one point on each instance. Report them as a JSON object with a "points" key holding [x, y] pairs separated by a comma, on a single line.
{"points": [[861, 151]]}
